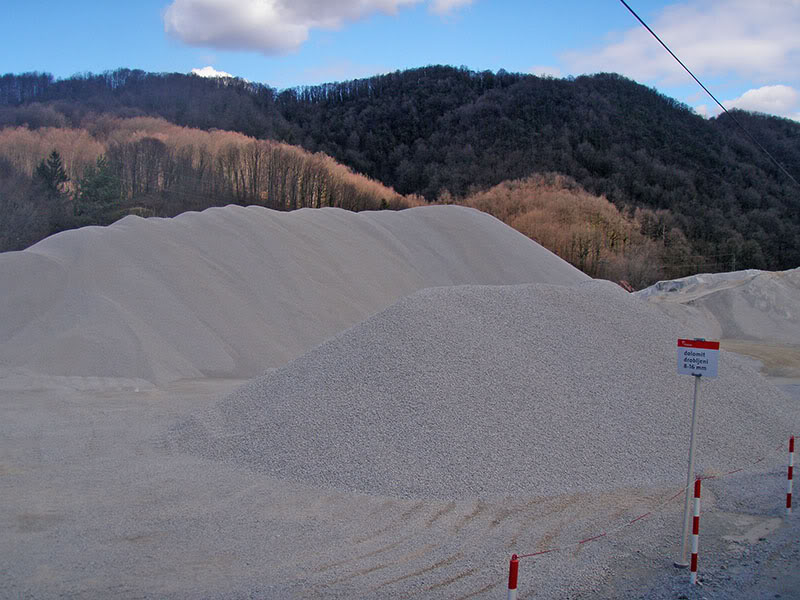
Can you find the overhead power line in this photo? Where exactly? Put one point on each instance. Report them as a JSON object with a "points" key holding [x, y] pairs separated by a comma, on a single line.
{"points": [[700, 83]]}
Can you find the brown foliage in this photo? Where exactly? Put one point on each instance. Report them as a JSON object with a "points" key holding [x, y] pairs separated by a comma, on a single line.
{"points": [[587, 231], [25, 148], [164, 169]]}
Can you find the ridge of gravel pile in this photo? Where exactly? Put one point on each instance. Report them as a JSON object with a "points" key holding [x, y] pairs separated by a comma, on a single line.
{"points": [[233, 291], [484, 391], [698, 285], [743, 305]]}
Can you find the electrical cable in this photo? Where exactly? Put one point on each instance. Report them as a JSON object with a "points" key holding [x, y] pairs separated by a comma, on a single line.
{"points": [[735, 120]]}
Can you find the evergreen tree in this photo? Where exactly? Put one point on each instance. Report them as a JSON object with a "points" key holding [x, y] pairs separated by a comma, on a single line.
{"points": [[52, 174], [52, 179], [98, 190]]}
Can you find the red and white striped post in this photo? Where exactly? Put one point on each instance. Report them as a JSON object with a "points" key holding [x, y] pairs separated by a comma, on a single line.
{"points": [[513, 571], [695, 532], [789, 477]]}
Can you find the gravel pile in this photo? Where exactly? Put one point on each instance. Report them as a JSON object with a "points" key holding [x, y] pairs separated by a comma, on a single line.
{"points": [[483, 391], [742, 305], [232, 291]]}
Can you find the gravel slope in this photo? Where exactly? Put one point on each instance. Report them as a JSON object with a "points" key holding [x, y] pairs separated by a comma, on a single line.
{"points": [[743, 305], [482, 391], [408, 456], [95, 507], [233, 291]]}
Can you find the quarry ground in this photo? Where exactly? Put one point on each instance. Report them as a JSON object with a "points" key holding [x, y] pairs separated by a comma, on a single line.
{"points": [[420, 426], [96, 505]]}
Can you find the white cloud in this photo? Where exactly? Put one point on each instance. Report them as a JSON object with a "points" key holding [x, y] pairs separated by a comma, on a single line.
{"points": [[545, 71], [241, 24], [779, 100], [443, 7], [273, 26], [712, 37], [210, 72]]}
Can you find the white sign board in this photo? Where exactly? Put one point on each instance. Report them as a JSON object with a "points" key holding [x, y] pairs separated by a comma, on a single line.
{"points": [[698, 357]]}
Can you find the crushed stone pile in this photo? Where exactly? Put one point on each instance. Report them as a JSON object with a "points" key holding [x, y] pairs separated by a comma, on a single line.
{"points": [[494, 391], [741, 305], [233, 291]]}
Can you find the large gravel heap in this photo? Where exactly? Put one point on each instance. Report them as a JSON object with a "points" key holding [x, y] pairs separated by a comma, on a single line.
{"points": [[233, 291], [742, 305], [483, 391]]}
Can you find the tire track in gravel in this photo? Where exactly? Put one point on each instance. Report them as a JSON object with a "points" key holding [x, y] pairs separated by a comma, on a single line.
{"points": [[445, 562], [442, 512], [395, 563], [403, 559], [436, 548], [398, 552]]}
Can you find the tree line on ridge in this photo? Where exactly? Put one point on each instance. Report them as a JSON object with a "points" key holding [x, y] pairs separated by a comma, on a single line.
{"points": [[445, 133]]}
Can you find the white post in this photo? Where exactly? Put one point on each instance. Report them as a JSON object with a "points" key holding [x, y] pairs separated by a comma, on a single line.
{"points": [[695, 532], [789, 477], [682, 562]]}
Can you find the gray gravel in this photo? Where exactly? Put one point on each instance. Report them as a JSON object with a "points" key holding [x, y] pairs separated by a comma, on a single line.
{"points": [[743, 305], [232, 291], [487, 392], [407, 457], [96, 506]]}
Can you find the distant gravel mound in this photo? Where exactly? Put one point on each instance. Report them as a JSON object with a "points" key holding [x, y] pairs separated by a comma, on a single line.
{"points": [[233, 291], [483, 391], [743, 305]]}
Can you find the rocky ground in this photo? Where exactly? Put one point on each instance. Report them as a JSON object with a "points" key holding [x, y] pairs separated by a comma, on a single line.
{"points": [[410, 454], [749, 547], [95, 506]]}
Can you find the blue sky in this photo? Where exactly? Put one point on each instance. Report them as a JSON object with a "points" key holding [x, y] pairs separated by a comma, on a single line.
{"points": [[747, 52]]}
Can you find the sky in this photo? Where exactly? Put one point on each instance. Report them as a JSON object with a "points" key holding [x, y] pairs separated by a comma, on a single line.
{"points": [[746, 52]]}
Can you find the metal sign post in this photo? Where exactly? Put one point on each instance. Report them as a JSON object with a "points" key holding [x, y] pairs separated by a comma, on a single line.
{"points": [[682, 560], [697, 358]]}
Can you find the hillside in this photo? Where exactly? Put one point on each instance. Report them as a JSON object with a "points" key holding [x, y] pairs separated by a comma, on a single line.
{"points": [[439, 128], [445, 132], [587, 231], [58, 178], [110, 167]]}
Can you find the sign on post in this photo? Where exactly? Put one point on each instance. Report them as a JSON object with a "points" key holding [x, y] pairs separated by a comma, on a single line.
{"points": [[698, 357]]}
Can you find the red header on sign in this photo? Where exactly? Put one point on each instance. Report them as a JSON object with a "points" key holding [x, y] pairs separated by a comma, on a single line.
{"points": [[698, 344]]}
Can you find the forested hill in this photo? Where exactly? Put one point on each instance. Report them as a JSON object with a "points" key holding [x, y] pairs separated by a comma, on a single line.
{"points": [[440, 130], [39, 100], [443, 132]]}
